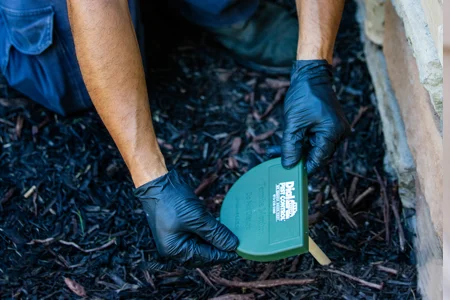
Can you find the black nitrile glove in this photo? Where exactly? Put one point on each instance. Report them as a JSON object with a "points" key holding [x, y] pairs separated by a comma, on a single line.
{"points": [[311, 110], [182, 227]]}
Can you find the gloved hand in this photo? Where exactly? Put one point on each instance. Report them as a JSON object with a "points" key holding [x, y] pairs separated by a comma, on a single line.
{"points": [[311, 110], [182, 227]]}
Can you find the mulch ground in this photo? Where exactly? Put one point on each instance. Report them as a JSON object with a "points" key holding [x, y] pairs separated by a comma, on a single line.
{"points": [[70, 226]]}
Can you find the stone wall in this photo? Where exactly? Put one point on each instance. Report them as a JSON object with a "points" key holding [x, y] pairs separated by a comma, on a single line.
{"points": [[406, 70], [399, 161], [421, 122], [423, 48], [446, 134]]}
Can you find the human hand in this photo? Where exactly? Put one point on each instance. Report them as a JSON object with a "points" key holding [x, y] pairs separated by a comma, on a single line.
{"points": [[182, 228], [311, 110]]}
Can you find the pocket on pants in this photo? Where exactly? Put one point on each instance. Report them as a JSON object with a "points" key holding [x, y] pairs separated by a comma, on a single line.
{"points": [[33, 60]]}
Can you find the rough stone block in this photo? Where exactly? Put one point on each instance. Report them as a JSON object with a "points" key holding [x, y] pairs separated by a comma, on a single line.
{"points": [[421, 124], [361, 17], [374, 22], [423, 48], [434, 17], [428, 251], [397, 150]]}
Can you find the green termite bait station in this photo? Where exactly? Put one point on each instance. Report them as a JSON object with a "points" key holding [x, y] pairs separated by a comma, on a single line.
{"points": [[267, 208]]}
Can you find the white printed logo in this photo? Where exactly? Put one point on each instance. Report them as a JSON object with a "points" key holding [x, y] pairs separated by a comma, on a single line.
{"points": [[284, 204]]}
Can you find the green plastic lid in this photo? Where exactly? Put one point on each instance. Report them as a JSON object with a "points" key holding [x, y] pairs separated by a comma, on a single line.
{"points": [[267, 209]]}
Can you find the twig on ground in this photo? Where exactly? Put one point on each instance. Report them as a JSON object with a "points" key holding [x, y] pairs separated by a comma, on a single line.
{"points": [[149, 279], [35, 195], [49, 206], [342, 209], [262, 283], [8, 195], [49, 296], [264, 275], [277, 98], [257, 148], [251, 99], [19, 126], [345, 149], [75, 287], [123, 285], [352, 191], [319, 199], [360, 281], [372, 237], [263, 136], [343, 246], [401, 234], [362, 196], [117, 280], [255, 290], [359, 175], [361, 111], [36, 241], [170, 274], [206, 279], [236, 145], [206, 183], [7, 122], [30, 192], [404, 283], [387, 270], [113, 241], [386, 209], [277, 83], [294, 265], [234, 297]]}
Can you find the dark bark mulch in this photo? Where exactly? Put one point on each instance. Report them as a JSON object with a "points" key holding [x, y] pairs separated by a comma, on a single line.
{"points": [[70, 225]]}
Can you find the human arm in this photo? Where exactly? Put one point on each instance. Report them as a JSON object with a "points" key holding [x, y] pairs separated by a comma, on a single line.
{"points": [[111, 65], [318, 25], [311, 110]]}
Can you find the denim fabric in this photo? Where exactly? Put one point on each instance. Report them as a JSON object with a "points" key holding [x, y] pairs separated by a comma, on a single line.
{"points": [[37, 53], [6, 92], [216, 13]]}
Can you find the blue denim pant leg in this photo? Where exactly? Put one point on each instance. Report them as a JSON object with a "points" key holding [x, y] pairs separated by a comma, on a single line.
{"points": [[216, 13], [37, 53]]}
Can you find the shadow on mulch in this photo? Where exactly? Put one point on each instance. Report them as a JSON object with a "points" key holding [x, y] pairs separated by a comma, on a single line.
{"points": [[66, 208]]}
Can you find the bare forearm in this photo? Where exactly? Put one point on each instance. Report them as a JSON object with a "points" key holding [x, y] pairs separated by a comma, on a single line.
{"points": [[110, 62], [319, 22]]}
